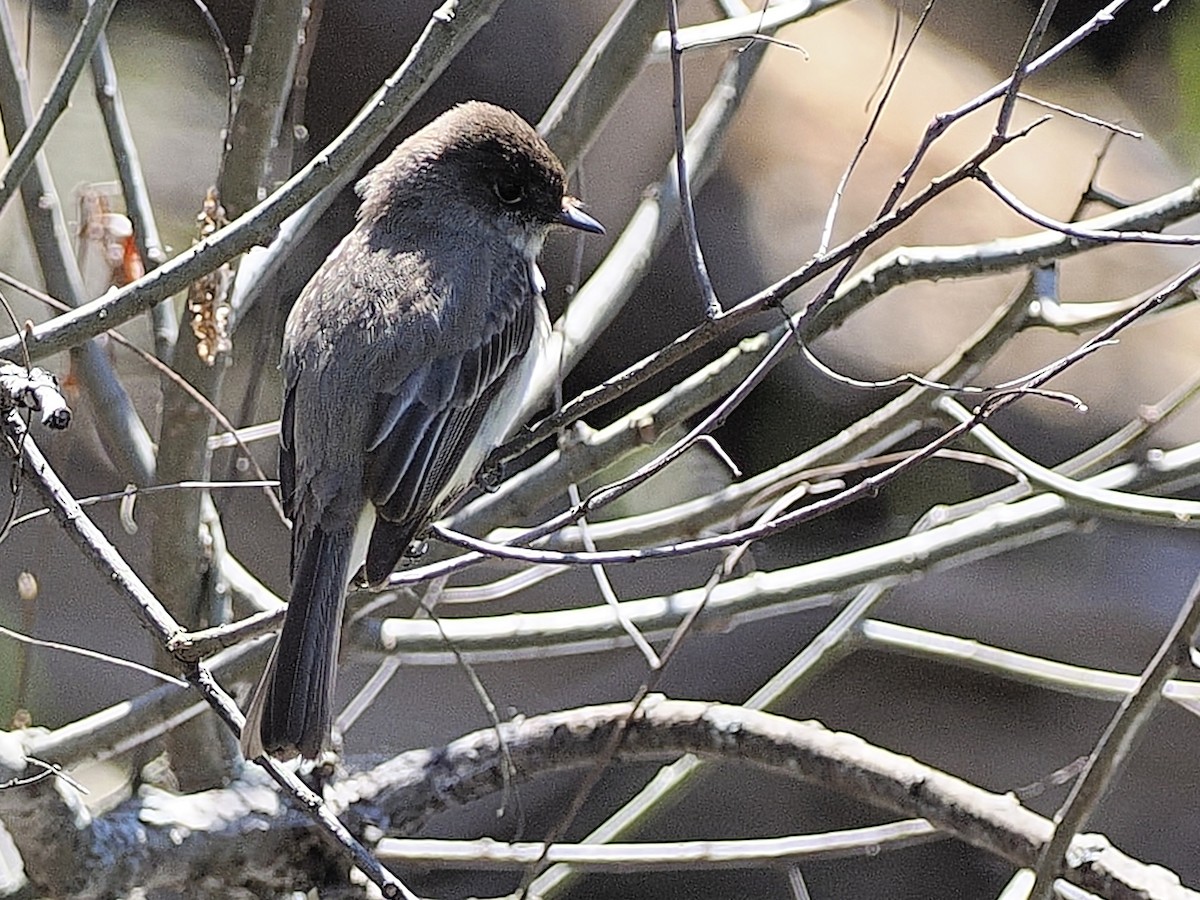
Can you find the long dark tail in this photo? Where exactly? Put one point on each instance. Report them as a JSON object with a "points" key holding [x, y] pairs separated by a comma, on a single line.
{"points": [[292, 708]]}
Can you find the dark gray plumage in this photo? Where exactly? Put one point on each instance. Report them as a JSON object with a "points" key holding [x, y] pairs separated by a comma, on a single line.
{"points": [[405, 361]]}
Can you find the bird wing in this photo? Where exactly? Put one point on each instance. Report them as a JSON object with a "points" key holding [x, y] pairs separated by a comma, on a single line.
{"points": [[425, 424]]}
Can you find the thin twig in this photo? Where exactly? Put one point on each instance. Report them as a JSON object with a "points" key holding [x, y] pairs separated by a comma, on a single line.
{"points": [[1112, 127], [1121, 504], [1119, 737], [712, 306], [1075, 231], [609, 593], [134, 491], [1032, 40], [876, 115], [91, 654], [943, 121]]}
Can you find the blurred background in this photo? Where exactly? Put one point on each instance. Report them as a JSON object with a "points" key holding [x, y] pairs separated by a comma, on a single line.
{"points": [[1102, 596]]}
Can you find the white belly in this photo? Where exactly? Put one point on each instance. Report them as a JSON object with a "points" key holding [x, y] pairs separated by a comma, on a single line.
{"points": [[497, 425]]}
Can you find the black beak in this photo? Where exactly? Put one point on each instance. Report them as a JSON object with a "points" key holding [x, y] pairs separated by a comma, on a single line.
{"points": [[574, 217]]}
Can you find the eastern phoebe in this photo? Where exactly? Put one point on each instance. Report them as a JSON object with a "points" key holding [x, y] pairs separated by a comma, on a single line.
{"points": [[405, 361]]}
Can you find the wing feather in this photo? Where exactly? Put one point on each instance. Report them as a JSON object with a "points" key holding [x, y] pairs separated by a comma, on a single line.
{"points": [[426, 424]]}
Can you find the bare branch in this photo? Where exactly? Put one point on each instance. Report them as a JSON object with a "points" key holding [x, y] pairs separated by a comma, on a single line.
{"points": [[467, 770], [133, 187], [712, 306], [597, 83], [26, 149], [648, 856]]}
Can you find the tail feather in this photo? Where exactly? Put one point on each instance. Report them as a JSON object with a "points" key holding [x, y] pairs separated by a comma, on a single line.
{"points": [[292, 708]]}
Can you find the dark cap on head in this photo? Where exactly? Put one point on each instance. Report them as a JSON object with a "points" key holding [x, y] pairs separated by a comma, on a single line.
{"points": [[484, 156]]}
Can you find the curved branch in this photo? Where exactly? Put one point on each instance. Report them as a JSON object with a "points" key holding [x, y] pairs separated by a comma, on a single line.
{"points": [[415, 785], [246, 822], [1171, 511]]}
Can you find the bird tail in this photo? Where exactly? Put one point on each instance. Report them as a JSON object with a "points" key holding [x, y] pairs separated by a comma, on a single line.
{"points": [[292, 708]]}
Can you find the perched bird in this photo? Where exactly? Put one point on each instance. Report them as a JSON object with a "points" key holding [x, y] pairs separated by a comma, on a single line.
{"points": [[405, 361]]}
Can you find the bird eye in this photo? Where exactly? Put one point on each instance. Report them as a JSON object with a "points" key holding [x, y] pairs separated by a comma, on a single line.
{"points": [[510, 192]]}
